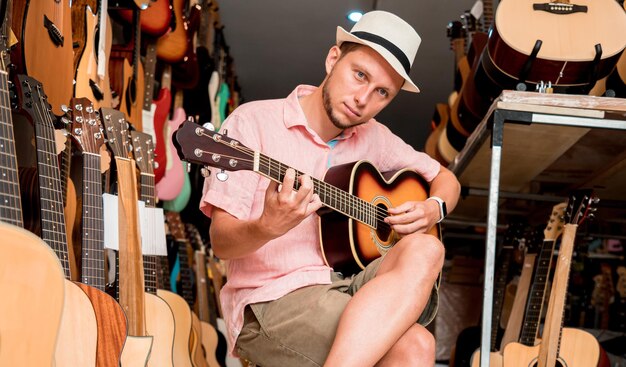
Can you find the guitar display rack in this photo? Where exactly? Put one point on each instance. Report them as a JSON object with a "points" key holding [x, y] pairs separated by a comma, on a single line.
{"points": [[525, 118]]}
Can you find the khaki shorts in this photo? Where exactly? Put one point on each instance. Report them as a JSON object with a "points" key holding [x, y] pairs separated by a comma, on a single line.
{"points": [[299, 328]]}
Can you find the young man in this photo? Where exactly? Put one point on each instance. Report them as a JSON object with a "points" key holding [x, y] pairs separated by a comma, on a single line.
{"points": [[282, 304]]}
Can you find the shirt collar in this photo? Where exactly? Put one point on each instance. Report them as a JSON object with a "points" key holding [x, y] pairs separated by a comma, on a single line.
{"points": [[294, 115]]}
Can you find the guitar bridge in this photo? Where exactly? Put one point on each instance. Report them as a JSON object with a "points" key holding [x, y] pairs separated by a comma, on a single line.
{"points": [[560, 8], [53, 31]]}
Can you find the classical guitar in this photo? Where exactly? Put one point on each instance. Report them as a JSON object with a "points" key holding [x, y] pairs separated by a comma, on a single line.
{"points": [[560, 346], [78, 333], [47, 36], [569, 44], [31, 281], [87, 132], [175, 321], [357, 206], [131, 272]]}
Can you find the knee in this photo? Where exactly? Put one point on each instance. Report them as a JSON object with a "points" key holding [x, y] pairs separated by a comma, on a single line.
{"points": [[423, 249], [418, 345]]}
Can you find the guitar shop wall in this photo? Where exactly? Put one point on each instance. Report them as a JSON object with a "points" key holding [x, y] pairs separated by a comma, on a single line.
{"points": [[534, 211], [99, 212]]}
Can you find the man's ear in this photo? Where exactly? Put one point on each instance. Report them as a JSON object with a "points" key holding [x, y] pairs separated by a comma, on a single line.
{"points": [[331, 59]]}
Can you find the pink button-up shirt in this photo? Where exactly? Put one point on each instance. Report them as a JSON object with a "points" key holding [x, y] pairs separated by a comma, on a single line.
{"points": [[279, 129]]}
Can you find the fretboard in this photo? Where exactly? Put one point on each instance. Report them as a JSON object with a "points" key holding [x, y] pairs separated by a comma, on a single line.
{"points": [[149, 261], [331, 196], [534, 305], [50, 191], [498, 295], [10, 204], [92, 223]]}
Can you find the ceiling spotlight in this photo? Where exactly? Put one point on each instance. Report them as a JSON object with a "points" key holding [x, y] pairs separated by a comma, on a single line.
{"points": [[354, 16]]}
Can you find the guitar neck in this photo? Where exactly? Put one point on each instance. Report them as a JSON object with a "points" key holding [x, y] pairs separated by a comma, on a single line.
{"points": [[331, 196], [92, 223], [51, 197], [551, 336], [149, 261], [499, 288], [532, 315], [11, 209], [131, 272], [149, 70], [205, 313]]}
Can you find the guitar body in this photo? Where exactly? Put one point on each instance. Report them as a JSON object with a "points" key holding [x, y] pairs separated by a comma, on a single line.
{"points": [[80, 29], [172, 182], [566, 56], [182, 199], [182, 332], [171, 47], [32, 286], [209, 343], [185, 73], [88, 83], [155, 20], [616, 81], [136, 352], [160, 324], [495, 359], [578, 348], [112, 328], [195, 345], [347, 245], [440, 120], [40, 49], [132, 90], [161, 112], [78, 334]]}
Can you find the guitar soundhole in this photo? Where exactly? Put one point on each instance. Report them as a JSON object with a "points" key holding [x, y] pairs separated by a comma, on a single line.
{"points": [[383, 230]]}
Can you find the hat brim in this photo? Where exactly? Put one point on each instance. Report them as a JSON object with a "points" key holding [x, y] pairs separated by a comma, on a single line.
{"points": [[345, 36]]}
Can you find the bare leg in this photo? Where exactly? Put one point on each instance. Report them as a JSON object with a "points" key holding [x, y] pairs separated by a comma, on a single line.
{"points": [[386, 307], [416, 348]]}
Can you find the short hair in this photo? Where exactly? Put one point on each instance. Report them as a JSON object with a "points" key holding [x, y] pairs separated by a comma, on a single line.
{"points": [[347, 47]]}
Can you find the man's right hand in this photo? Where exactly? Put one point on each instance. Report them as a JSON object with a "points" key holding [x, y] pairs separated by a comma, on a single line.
{"points": [[286, 207]]}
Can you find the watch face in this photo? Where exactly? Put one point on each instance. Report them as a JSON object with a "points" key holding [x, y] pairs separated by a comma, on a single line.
{"points": [[444, 209]]}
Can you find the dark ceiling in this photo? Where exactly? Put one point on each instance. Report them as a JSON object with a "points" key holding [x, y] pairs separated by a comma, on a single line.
{"points": [[277, 44]]}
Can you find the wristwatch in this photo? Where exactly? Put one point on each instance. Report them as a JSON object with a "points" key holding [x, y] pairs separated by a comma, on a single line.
{"points": [[443, 211]]}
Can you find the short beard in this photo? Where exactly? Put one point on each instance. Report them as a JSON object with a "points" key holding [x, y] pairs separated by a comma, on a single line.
{"points": [[329, 109]]}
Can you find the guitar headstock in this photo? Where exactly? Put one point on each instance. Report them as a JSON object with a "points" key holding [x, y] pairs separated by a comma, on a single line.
{"points": [[580, 206], [621, 281], [176, 226], [116, 130], [555, 224], [33, 100], [85, 126], [196, 144], [143, 151]]}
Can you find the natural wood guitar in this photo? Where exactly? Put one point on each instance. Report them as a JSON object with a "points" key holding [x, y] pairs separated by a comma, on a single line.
{"points": [[31, 281], [356, 194], [87, 132], [79, 332], [172, 46], [131, 272], [179, 311], [560, 346]]}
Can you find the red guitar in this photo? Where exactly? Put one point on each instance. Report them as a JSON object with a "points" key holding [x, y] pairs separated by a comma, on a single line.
{"points": [[155, 20], [356, 194]]}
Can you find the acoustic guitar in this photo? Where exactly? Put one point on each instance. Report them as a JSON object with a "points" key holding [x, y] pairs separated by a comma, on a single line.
{"points": [[80, 29], [87, 132], [356, 195], [48, 36], [156, 20], [132, 296], [172, 46], [31, 281], [175, 322], [569, 44], [560, 346], [79, 332]]}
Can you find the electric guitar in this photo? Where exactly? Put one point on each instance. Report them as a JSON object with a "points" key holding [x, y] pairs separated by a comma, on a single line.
{"points": [[358, 205], [172, 46]]}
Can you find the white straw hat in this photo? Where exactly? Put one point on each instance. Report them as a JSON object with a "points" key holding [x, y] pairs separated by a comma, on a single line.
{"points": [[393, 38]]}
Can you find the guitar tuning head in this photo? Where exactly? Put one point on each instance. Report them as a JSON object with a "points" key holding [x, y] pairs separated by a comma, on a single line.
{"points": [[209, 126], [205, 172], [188, 166], [191, 119], [222, 176]]}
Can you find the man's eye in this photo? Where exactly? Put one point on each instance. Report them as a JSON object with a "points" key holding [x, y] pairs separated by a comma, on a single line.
{"points": [[383, 92], [360, 75]]}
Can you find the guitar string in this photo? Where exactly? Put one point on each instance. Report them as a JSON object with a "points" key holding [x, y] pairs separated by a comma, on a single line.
{"points": [[379, 213], [14, 215]]}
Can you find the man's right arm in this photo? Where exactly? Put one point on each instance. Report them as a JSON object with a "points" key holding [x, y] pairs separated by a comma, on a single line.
{"points": [[232, 238]]}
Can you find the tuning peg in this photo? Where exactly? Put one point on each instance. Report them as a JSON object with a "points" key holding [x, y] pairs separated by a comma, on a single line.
{"points": [[595, 200], [205, 172], [222, 175], [191, 119], [188, 167], [209, 126]]}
